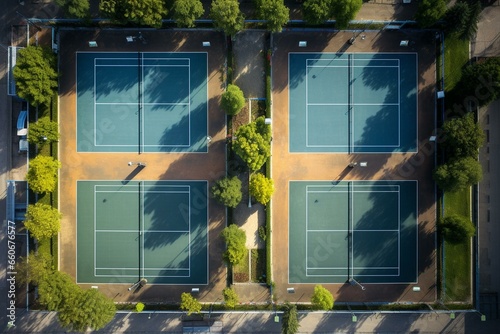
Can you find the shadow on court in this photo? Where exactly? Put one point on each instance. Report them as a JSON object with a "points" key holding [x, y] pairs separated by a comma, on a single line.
{"points": [[132, 174]]}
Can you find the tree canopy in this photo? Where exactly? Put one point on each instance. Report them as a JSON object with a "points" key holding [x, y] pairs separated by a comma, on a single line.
{"points": [[190, 304], [253, 143], [261, 188], [227, 16], [87, 309], [290, 324], [464, 136], [141, 12], [230, 297], [235, 239], [274, 12], [461, 19], [456, 229], [42, 174], [43, 131], [228, 191], [56, 290], [33, 268], [322, 299], [35, 75], [75, 8], [232, 100], [481, 80], [344, 11], [185, 12], [42, 220], [317, 11], [458, 174], [430, 11]]}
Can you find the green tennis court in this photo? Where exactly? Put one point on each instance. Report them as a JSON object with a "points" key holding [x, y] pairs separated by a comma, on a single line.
{"points": [[353, 102], [361, 230], [142, 102], [142, 229]]}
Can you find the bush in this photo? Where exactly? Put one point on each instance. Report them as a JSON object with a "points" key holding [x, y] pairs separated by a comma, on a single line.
{"points": [[230, 297], [139, 307], [232, 100], [253, 143], [458, 174], [261, 188], [44, 131], [42, 220], [322, 299], [235, 239], [190, 304], [456, 229], [464, 136], [42, 174], [262, 233], [228, 191], [430, 11]]}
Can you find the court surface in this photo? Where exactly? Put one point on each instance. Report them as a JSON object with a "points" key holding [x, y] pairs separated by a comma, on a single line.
{"points": [[142, 102], [142, 229], [361, 230], [353, 102]]}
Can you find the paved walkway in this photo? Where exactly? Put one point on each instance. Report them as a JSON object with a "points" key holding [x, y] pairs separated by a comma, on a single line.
{"points": [[487, 42]]}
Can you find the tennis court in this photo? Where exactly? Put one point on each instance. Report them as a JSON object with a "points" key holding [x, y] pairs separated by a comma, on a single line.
{"points": [[361, 230], [142, 102], [131, 230], [353, 102]]}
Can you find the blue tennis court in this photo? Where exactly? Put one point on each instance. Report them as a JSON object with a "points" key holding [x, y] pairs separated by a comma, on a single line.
{"points": [[142, 102], [362, 230], [353, 102]]}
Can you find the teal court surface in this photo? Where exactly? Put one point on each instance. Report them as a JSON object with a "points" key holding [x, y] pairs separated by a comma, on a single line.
{"points": [[156, 230], [353, 102], [142, 102], [353, 230]]}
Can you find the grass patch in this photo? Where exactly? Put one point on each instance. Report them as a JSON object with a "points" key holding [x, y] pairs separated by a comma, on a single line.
{"points": [[258, 265], [457, 269], [456, 56], [241, 271]]}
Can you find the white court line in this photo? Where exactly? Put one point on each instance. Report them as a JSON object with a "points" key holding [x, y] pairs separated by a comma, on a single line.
{"points": [[149, 268], [354, 231], [343, 268], [148, 104], [136, 231], [357, 66], [354, 104]]}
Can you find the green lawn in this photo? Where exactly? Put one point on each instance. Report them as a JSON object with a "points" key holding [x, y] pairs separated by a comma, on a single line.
{"points": [[457, 271], [241, 271], [456, 56]]}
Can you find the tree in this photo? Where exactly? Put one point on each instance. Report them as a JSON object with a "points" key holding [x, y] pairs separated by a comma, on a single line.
{"points": [[261, 188], [317, 11], [43, 131], [456, 229], [87, 309], [232, 100], [42, 220], [480, 80], [190, 304], [185, 12], [253, 143], [290, 324], [33, 268], [344, 11], [322, 299], [464, 136], [42, 174], [35, 75], [230, 297], [456, 18], [75, 8], [235, 239], [227, 16], [228, 191], [141, 12], [458, 174], [56, 290], [430, 11], [274, 12]]}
